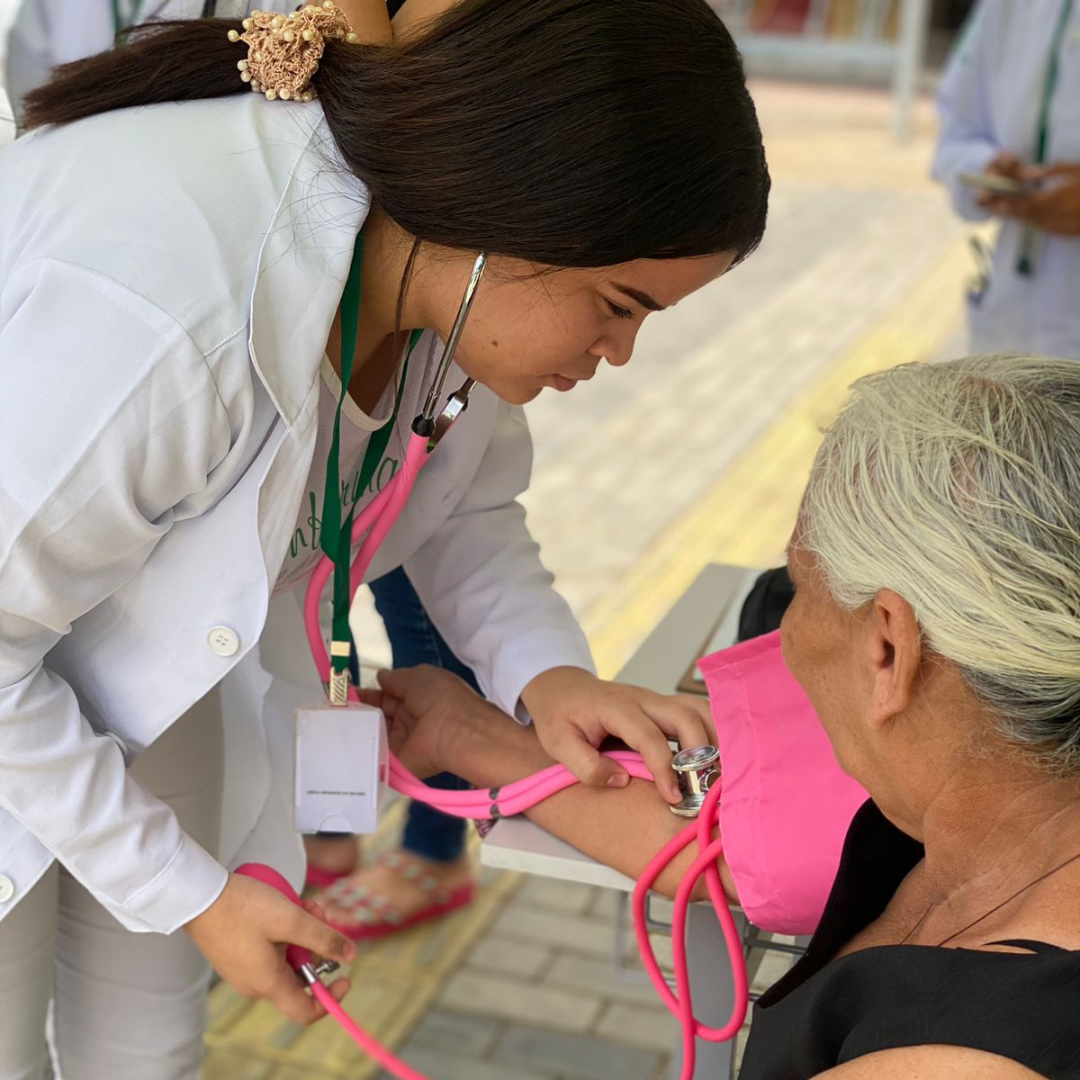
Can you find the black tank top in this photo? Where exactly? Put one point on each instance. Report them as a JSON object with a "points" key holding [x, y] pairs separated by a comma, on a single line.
{"points": [[1021, 1006]]}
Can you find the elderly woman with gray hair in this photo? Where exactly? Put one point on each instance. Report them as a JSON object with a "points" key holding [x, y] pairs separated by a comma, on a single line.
{"points": [[936, 630]]}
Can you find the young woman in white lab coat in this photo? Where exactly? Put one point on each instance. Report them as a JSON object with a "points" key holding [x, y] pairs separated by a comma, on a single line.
{"points": [[50, 32], [168, 332], [1010, 106]]}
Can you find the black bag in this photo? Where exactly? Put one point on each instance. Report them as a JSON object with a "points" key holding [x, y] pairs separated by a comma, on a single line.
{"points": [[766, 603]]}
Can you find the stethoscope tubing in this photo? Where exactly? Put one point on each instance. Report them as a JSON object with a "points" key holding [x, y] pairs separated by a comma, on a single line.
{"points": [[522, 795], [375, 520]]}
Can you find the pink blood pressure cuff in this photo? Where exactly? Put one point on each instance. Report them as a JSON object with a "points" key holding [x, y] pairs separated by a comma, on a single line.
{"points": [[786, 804]]}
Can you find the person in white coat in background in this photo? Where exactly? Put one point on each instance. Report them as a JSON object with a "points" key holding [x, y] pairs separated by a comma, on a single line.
{"points": [[1010, 106], [170, 348]]}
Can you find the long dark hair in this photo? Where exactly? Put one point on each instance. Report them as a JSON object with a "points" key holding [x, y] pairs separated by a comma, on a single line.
{"points": [[574, 133]]}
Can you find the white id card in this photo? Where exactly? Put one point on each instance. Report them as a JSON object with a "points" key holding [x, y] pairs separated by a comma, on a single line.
{"points": [[341, 760]]}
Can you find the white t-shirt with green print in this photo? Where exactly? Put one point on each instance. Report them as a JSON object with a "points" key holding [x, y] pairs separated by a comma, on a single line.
{"points": [[356, 430]]}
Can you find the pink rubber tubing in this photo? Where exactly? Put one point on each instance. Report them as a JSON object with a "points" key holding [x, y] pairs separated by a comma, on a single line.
{"points": [[369, 530]]}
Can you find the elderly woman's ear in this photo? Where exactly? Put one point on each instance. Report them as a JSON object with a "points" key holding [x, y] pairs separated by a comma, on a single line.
{"points": [[894, 653]]}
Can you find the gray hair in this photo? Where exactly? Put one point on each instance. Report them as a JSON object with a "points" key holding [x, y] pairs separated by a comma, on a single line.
{"points": [[957, 485]]}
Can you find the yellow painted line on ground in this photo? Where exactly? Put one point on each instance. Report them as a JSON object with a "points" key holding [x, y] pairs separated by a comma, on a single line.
{"points": [[747, 516]]}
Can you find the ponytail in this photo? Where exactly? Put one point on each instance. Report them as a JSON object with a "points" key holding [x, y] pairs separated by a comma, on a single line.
{"points": [[159, 62], [567, 133]]}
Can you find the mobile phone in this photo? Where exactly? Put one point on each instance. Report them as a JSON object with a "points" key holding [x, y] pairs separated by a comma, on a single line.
{"points": [[999, 185]]}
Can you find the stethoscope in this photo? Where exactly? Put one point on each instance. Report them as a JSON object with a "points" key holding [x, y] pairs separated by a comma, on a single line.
{"points": [[699, 782], [697, 769], [381, 514]]}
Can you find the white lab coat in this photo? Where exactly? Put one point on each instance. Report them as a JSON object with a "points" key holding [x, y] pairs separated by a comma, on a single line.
{"points": [[47, 33], [989, 102], [168, 278]]}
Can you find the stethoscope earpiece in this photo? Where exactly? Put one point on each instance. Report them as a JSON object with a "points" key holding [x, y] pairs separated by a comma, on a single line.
{"points": [[425, 424]]}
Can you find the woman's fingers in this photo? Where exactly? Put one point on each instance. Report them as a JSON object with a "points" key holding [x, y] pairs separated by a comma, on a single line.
{"points": [[395, 681], [680, 721], [297, 927], [1005, 164], [571, 746], [652, 744], [639, 731], [314, 909], [285, 990], [701, 707], [338, 989], [1045, 172]]}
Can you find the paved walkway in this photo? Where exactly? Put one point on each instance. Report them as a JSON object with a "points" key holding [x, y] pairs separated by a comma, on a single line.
{"points": [[696, 452]]}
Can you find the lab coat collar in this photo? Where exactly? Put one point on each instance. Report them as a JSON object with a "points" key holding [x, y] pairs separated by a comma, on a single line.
{"points": [[303, 265]]}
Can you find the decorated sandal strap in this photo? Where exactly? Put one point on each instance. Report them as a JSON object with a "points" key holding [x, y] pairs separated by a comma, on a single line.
{"points": [[362, 905], [412, 871]]}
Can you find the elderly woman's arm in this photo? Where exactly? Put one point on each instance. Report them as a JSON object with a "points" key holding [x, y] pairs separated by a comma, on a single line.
{"points": [[437, 724]]}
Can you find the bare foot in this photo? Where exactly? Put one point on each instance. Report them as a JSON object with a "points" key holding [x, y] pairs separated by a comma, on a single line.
{"points": [[334, 854], [397, 888]]}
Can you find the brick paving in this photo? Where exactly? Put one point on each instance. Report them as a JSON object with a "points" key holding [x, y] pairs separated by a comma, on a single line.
{"points": [[505, 1011]]}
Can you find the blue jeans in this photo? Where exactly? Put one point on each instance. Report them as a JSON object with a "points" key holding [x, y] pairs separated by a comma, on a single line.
{"points": [[414, 640]]}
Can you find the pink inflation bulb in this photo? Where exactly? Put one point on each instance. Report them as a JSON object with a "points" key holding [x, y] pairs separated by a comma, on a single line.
{"points": [[302, 960]]}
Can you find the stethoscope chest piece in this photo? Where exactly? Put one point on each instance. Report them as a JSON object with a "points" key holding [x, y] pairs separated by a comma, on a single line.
{"points": [[697, 770]]}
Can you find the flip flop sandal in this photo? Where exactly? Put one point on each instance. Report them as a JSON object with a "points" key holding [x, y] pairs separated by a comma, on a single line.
{"points": [[318, 878], [373, 916]]}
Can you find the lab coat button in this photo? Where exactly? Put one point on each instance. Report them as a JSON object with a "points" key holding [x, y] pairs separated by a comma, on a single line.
{"points": [[224, 641], [7, 889]]}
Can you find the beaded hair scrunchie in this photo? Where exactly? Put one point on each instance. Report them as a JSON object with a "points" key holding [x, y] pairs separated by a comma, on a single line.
{"points": [[284, 50]]}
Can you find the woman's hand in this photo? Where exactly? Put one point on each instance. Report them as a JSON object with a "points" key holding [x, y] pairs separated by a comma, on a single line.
{"points": [[244, 934], [432, 718], [1054, 207], [574, 712]]}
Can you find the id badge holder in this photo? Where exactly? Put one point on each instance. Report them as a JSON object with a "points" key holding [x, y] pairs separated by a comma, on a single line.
{"points": [[341, 763]]}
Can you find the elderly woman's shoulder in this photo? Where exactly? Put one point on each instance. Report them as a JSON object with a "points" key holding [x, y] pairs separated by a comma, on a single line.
{"points": [[930, 1063]]}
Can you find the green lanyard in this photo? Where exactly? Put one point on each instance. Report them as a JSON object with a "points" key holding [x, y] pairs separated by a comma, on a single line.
{"points": [[1029, 249], [336, 540]]}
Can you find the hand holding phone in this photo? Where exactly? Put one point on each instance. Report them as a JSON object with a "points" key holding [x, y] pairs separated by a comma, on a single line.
{"points": [[995, 183]]}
